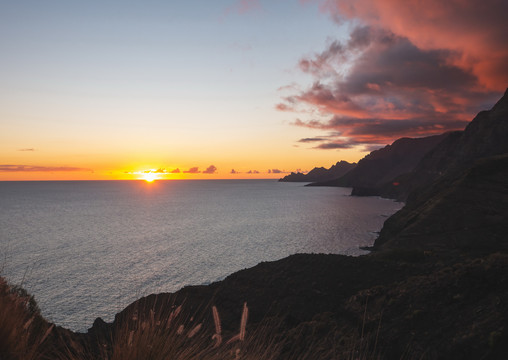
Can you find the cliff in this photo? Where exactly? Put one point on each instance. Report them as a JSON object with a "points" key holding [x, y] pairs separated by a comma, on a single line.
{"points": [[321, 173], [485, 136], [381, 166], [468, 212]]}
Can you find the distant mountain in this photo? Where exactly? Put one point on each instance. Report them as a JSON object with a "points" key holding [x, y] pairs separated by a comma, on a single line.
{"points": [[381, 166], [321, 173]]}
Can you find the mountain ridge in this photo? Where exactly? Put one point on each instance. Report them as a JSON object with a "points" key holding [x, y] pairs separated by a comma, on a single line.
{"points": [[320, 173]]}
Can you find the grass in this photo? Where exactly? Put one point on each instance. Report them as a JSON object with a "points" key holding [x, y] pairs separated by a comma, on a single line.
{"points": [[156, 332], [151, 330], [22, 329]]}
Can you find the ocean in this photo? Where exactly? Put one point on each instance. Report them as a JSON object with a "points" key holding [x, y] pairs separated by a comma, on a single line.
{"points": [[87, 249]]}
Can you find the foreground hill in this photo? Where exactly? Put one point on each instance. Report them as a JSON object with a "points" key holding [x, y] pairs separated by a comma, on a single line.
{"points": [[321, 173]]}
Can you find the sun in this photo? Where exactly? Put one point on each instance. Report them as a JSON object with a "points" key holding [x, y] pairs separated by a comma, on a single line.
{"points": [[150, 177]]}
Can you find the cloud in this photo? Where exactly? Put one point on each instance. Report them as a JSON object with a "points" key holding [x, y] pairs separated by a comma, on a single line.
{"points": [[210, 170], [27, 149], [192, 170], [276, 171], [252, 172], [387, 81], [233, 171], [475, 31], [29, 168], [244, 6], [175, 171], [310, 140]]}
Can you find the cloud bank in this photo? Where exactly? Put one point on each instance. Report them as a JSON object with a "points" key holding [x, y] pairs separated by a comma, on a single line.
{"points": [[407, 69]]}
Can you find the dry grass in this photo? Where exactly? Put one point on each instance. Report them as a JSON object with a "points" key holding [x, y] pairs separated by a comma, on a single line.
{"points": [[22, 329], [155, 331]]}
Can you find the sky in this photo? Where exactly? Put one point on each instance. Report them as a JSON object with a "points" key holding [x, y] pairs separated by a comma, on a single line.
{"points": [[105, 90]]}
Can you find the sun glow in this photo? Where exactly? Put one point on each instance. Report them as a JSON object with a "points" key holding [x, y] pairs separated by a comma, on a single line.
{"points": [[150, 177]]}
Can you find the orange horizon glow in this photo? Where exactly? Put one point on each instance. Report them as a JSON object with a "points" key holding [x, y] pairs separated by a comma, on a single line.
{"points": [[262, 166]]}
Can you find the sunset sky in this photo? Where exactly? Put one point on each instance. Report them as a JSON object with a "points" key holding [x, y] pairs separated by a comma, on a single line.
{"points": [[236, 88]]}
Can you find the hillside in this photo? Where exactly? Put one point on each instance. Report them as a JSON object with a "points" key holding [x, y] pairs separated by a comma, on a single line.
{"points": [[485, 136]]}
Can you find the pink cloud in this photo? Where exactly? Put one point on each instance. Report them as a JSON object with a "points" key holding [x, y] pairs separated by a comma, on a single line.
{"points": [[475, 30], [386, 81], [244, 7]]}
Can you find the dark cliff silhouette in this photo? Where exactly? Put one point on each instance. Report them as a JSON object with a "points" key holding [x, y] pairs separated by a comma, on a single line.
{"points": [[321, 173], [380, 167]]}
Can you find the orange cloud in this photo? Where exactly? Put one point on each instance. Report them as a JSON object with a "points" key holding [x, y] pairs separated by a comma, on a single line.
{"points": [[397, 75], [192, 170], [29, 168]]}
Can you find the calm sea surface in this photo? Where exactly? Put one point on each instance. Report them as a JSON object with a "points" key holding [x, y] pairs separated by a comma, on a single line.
{"points": [[88, 249]]}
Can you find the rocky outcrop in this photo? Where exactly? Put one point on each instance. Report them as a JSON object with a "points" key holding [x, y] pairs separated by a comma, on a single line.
{"points": [[321, 173], [381, 166]]}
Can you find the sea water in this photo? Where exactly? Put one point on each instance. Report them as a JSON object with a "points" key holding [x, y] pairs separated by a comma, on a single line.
{"points": [[86, 249]]}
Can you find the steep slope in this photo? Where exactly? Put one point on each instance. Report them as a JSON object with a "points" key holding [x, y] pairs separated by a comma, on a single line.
{"points": [[381, 166], [467, 213], [486, 135], [321, 173]]}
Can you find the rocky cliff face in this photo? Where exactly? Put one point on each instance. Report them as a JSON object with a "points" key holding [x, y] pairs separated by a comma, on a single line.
{"points": [[485, 136], [457, 196], [321, 173], [463, 214], [381, 166]]}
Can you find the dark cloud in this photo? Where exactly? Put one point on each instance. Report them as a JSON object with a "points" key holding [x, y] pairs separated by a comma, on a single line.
{"points": [[253, 172], [192, 170], [331, 145], [29, 168], [310, 140], [233, 171], [372, 128], [474, 31], [378, 86], [210, 170]]}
